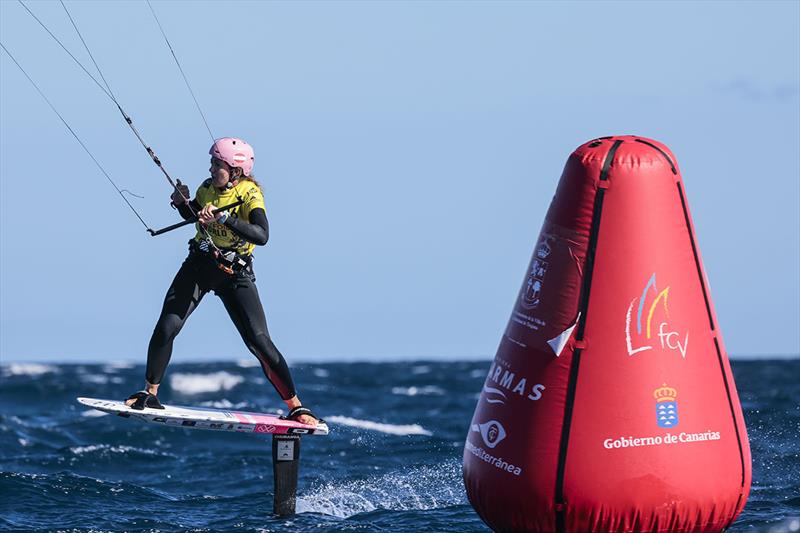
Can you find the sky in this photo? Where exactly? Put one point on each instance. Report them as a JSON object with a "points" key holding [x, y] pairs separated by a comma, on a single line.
{"points": [[408, 152]]}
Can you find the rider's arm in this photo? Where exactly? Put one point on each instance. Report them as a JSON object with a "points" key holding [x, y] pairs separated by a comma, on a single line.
{"points": [[255, 231], [186, 212]]}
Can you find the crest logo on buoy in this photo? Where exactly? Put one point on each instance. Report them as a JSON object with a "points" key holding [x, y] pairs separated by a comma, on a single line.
{"points": [[666, 406], [531, 293]]}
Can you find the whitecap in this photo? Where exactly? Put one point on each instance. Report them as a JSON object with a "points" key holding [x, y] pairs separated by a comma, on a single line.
{"points": [[218, 404], [200, 383], [118, 365], [248, 363], [417, 488], [428, 390], [91, 448], [224, 404], [97, 379], [420, 369], [80, 450], [391, 429], [94, 413], [29, 369], [477, 373], [321, 373]]}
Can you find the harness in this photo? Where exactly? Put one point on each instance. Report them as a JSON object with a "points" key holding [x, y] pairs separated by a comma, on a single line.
{"points": [[229, 261]]}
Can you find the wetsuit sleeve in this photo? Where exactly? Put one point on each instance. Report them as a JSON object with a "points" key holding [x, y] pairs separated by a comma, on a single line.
{"points": [[255, 231], [186, 212]]}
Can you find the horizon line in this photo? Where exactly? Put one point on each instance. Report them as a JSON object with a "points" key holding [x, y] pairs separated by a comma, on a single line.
{"points": [[334, 360]]}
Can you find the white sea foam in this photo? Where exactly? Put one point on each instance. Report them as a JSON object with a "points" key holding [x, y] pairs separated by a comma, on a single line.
{"points": [[391, 429], [427, 390], [477, 373], [321, 373], [420, 369], [418, 488], [29, 369], [107, 448], [199, 383], [118, 365], [248, 363], [94, 413], [224, 404], [787, 525], [96, 379]]}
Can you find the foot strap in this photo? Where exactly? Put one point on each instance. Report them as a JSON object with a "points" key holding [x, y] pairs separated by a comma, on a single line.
{"points": [[299, 411], [144, 399]]}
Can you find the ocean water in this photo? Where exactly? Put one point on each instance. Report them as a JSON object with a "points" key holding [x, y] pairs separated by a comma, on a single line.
{"points": [[391, 463]]}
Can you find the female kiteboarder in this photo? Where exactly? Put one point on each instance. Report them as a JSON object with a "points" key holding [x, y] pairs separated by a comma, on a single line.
{"points": [[220, 259]]}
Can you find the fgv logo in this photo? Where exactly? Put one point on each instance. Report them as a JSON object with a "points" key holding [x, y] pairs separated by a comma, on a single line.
{"points": [[645, 336], [492, 432], [666, 406]]}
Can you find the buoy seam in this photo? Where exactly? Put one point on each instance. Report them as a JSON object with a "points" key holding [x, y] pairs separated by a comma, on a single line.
{"points": [[730, 404], [735, 427], [662, 152], [696, 256], [716, 341], [583, 305]]}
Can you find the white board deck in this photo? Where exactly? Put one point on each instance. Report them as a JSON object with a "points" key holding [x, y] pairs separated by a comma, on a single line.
{"points": [[206, 418]]}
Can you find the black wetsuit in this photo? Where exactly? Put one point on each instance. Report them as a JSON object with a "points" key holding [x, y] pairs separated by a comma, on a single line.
{"points": [[200, 274]]}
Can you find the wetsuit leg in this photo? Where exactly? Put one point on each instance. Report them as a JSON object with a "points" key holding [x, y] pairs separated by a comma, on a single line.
{"points": [[244, 307], [182, 298]]}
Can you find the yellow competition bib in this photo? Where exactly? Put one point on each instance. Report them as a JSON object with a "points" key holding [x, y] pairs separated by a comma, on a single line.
{"points": [[222, 236]]}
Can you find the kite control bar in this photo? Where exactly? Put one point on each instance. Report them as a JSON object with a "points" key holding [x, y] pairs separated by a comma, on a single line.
{"points": [[193, 219]]}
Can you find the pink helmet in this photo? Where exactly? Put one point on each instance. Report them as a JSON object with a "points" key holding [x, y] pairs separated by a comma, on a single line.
{"points": [[235, 152]]}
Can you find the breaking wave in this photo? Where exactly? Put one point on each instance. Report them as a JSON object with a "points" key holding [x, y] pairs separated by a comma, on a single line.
{"points": [[427, 390], [391, 429], [107, 450], [28, 369], [200, 383], [224, 404]]}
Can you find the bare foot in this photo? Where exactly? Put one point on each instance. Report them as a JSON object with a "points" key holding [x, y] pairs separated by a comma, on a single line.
{"points": [[309, 420], [293, 402]]}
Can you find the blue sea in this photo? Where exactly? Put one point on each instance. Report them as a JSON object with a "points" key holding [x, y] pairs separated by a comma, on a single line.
{"points": [[391, 463]]}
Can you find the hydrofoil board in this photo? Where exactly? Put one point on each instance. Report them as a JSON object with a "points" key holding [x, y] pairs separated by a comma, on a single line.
{"points": [[206, 418]]}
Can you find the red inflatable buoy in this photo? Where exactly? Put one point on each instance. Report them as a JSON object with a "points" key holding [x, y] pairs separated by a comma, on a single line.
{"points": [[610, 405]]}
